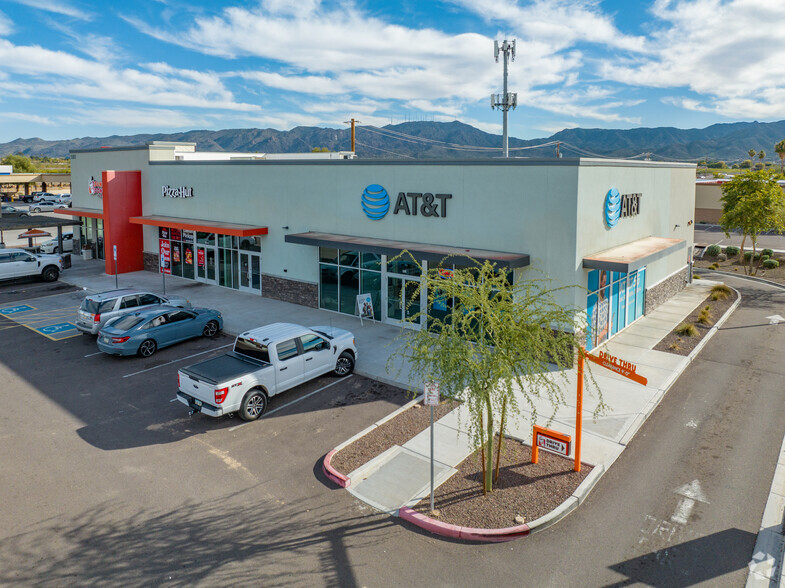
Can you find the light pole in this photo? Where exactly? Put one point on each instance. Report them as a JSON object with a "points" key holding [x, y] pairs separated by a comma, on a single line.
{"points": [[506, 100]]}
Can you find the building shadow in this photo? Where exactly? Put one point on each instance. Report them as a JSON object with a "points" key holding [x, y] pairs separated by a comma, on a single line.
{"points": [[690, 563]]}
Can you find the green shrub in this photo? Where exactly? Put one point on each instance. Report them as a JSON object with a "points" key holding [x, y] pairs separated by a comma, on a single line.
{"points": [[767, 251], [720, 292], [756, 255], [764, 258], [713, 266], [771, 263], [687, 330], [731, 250], [747, 255], [713, 250], [704, 317], [696, 277]]}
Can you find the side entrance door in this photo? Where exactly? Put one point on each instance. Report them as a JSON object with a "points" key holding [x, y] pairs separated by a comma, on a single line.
{"points": [[250, 272]]}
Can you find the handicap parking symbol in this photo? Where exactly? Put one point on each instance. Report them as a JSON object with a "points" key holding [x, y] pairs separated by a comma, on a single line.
{"points": [[54, 329], [14, 309]]}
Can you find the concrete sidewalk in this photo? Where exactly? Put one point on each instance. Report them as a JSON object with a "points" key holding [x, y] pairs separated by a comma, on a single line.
{"points": [[380, 483]]}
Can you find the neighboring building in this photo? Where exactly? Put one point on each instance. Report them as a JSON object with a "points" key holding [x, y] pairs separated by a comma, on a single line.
{"points": [[708, 199], [318, 232]]}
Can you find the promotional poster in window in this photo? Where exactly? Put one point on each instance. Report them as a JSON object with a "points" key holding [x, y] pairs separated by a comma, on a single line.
{"points": [[614, 301]]}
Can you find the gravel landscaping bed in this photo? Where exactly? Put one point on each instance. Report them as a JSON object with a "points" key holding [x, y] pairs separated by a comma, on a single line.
{"points": [[524, 489], [396, 431], [684, 344]]}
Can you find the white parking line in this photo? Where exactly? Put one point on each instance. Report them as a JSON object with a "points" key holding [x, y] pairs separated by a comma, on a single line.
{"points": [[92, 354], [176, 360], [295, 401]]}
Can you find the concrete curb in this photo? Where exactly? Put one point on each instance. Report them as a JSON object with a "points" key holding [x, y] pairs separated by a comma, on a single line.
{"points": [[332, 473], [701, 271], [458, 532]]}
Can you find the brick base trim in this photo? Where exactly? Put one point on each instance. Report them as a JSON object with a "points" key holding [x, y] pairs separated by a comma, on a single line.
{"points": [[666, 289], [292, 291]]}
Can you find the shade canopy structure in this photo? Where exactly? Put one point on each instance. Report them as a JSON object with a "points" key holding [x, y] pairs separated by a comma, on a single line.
{"points": [[33, 233]]}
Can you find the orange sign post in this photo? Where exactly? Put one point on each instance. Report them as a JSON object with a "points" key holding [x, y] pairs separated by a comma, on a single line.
{"points": [[606, 360]]}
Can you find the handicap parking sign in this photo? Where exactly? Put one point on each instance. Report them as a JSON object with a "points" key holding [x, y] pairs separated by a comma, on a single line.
{"points": [[14, 309], [54, 329]]}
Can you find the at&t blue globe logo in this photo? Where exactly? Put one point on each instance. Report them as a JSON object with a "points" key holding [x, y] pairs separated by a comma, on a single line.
{"points": [[612, 207], [375, 202]]}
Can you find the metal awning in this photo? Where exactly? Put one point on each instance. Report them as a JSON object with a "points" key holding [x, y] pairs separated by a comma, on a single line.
{"points": [[10, 223], [634, 255], [88, 212], [189, 224], [418, 250]]}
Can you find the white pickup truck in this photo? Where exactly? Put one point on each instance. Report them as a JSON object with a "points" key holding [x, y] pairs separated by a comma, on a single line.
{"points": [[265, 361]]}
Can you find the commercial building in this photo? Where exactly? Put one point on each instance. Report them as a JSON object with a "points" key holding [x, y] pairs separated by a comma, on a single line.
{"points": [[319, 231]]}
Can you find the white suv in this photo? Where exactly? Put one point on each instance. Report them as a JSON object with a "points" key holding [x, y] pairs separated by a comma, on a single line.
{"points": [[18, 263], [51, 245]]}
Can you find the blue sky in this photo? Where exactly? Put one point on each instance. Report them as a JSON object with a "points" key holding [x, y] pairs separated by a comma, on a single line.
{"points": [[95, 68]]}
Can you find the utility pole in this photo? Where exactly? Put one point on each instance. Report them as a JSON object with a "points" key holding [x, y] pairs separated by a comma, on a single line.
{"points": [[558, 155], [351, 122], [507, 99]]}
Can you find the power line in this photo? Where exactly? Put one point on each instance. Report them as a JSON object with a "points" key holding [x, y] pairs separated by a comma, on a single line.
{"points": [[385, 150], [413, 139]]}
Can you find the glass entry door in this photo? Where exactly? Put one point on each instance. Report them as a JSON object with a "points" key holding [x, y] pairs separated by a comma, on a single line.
{"points": [[403, 299], [205, 264], [250, 272]]}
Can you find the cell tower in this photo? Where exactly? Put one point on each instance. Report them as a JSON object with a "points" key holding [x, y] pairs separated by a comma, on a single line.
{"points": [[506, 100]]}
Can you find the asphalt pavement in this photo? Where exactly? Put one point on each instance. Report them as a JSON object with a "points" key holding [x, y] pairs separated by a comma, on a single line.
{"points": [[605, 442]]}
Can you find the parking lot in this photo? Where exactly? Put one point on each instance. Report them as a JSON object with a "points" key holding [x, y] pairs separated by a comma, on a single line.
{"points": [[110, 480]]}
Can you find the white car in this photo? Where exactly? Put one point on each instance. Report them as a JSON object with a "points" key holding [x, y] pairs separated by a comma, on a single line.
{"points": [[63, 199], [51, 245], [18, 263], [46, 206]]}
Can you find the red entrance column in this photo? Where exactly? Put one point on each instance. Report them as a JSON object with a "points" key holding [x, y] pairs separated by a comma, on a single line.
{"points": [[122, 200]]}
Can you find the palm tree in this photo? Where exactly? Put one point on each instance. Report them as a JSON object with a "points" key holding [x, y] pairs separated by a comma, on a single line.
{"points": [[779, 148], [751, 153]]}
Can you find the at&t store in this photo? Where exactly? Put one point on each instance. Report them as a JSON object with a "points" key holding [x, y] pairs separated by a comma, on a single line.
{"points": [[319, 229]]}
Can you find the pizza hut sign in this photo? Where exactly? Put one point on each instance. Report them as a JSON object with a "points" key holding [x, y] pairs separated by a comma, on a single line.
{"points": [[181, 192]]}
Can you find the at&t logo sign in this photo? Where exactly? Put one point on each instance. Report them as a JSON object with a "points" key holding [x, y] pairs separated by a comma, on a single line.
{"points": [[376, 203], [620, 205]]}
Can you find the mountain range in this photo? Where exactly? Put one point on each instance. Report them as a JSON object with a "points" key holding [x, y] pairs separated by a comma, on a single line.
{"points": [[728, 142]]}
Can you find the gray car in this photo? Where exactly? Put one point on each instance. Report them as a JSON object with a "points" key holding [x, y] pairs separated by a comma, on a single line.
{"points": [[96, 309], [12, 212]]}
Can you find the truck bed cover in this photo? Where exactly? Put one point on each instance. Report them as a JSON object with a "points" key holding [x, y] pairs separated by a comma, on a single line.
{"points": [[224, 367]]}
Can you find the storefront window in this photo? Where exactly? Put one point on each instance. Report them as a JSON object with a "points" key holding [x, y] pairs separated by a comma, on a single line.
{"points": [[371, 261], [177, 259], [407, 267], [349, 258], [371, 283], [350, 288], [226, 274], [188, 261], [328, 287], [328, 255], [205, 238], [99, 239], [250, 243]]}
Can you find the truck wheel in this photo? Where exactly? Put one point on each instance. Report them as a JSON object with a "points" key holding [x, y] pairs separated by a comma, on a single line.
{"points": [[345, 364], [50, 274], [147, 348], [210, 329], [253, 405]]}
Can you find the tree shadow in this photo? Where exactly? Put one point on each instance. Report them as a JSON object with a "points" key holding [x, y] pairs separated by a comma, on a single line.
{"points": [[247, 543]]}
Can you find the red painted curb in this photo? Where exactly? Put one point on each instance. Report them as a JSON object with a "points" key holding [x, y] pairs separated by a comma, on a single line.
{"points": [[457, 532], [334, 474]]}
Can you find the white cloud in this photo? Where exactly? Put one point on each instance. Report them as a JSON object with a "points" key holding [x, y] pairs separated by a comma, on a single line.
{"points": [[57, 7], [33, 118], [6, 25], [726, 52], [63, 73]]}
